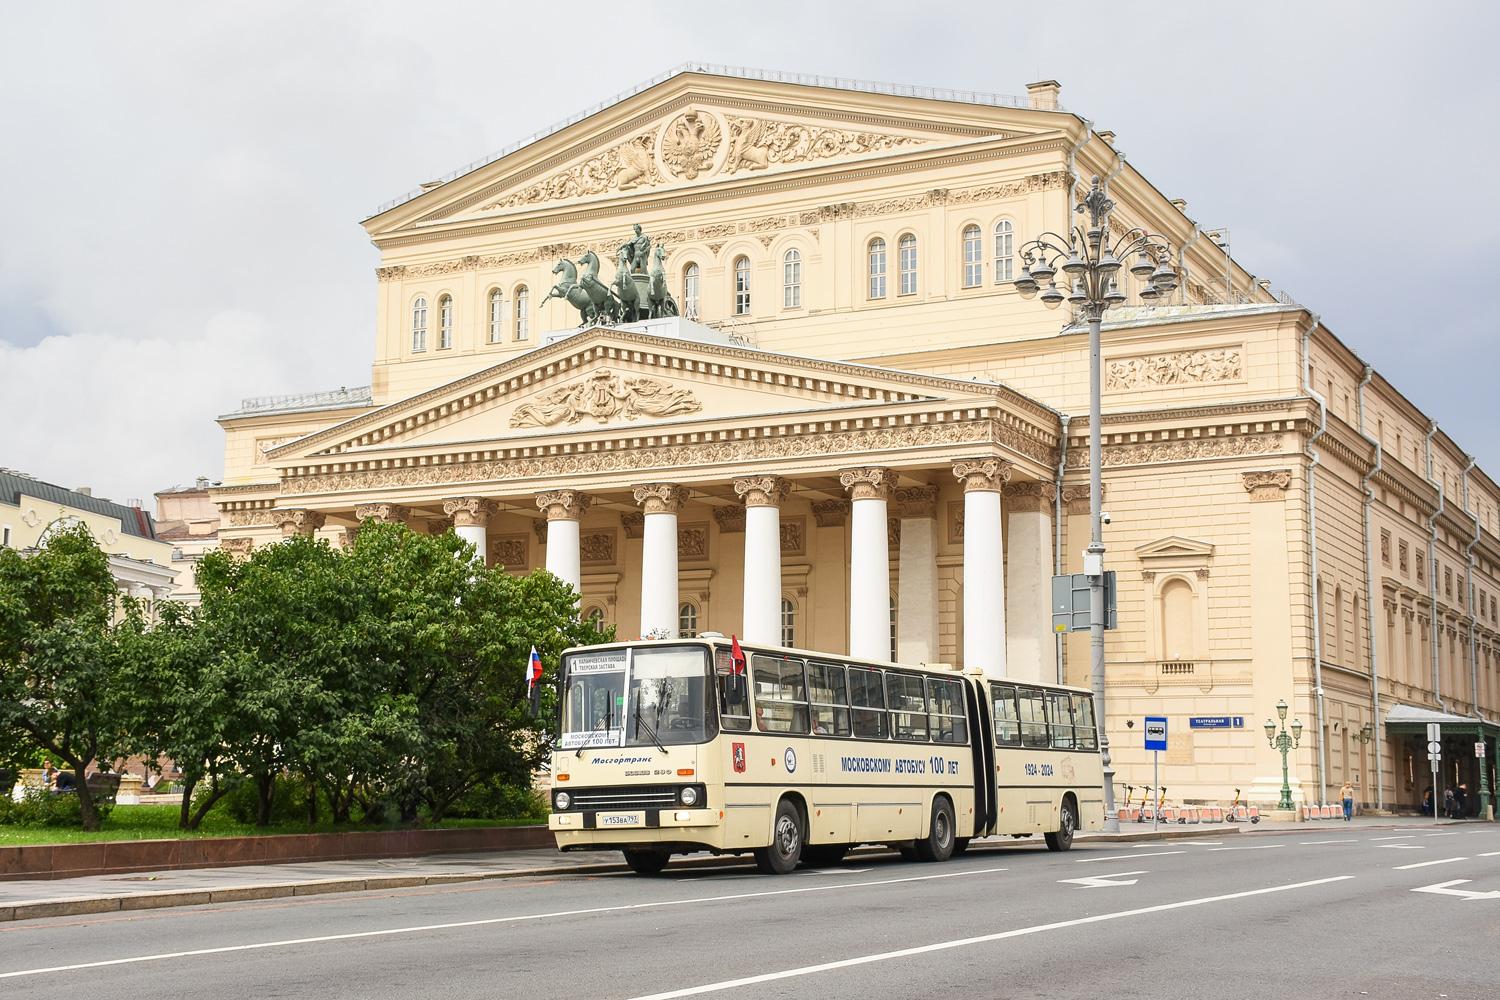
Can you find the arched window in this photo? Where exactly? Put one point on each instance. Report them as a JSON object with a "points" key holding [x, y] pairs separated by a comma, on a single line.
{"points": [[973, 258], [1337, 625], [791, 280], [497, 316], [907, 247], [893, 628], [419, 324], [594, 616], [687, 621], [1005, 251], [445, 322], [877, 268], [523, 313], [690, 283], [742, 286], [788, 622], [1177, 620]]}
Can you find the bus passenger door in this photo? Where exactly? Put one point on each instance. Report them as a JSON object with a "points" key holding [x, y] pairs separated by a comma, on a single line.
{"points": [[982, 746]]}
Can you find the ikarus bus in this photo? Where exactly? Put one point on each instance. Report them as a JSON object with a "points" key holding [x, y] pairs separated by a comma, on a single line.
{"points": [[674, 747]]}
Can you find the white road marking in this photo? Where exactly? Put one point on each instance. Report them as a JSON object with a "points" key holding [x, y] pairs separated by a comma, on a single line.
{"points": [[1440, 834], [834, 871], [1491, 854], [1402, 847], [1257, 847], [1128, 857], [1204, 843], [1401, 836], [1307, 842], [807, 970], [289, 942], [1100, 881], [1442, 888], [1424, 864]]}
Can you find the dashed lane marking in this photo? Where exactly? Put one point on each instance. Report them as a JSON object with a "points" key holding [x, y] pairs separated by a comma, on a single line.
{"points": [[1424, 864], [1257, 847], [1128, 857]]}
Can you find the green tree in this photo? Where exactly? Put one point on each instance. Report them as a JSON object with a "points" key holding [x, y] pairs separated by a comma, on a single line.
{"points": [[59, 659]]}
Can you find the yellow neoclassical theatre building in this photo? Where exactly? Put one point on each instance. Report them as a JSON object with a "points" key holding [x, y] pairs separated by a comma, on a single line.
{"points": [[848, 431]]}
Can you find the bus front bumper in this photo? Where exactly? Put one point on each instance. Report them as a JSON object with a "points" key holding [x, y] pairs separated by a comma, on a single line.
{"points": [[579, 829]]}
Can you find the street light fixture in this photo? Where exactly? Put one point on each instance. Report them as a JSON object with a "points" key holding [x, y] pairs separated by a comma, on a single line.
{"points": [[1091, 258], [1285, 743]]}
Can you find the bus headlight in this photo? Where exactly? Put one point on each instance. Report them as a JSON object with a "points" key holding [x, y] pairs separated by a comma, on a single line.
{"points": [[561, 801], [690, 796]]}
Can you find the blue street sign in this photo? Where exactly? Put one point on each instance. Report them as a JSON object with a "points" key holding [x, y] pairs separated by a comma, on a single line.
{"points": [[1216, 722], [1156, 732]]}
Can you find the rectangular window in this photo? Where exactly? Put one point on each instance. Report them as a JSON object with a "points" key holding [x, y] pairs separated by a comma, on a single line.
{"points": [[945, 710], [1007, 719], [5, 535], [523, 314], [445, 325], [908, 705], [742, 287], [734, 694], [1060, 711], [877, 272], [497, 317], [830, 704], [791, 282], [1083, 722], [908, 247], [973, 261], [1033, 718], [867, 699], [780, 694], [1005, 262]]}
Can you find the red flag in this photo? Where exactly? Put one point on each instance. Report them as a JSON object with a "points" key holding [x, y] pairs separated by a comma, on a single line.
{"points": [[736, 655]]}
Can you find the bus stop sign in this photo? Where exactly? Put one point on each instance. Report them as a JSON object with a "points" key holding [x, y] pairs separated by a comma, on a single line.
{"points": [[1156, 732]]}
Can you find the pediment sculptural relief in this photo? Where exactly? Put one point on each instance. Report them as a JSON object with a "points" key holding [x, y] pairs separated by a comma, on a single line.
{"points": [[603, 396]]}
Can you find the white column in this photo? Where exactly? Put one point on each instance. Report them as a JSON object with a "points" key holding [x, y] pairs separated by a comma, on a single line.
{"points": [[563, 508], [1030, 650], [661, 502], [869, 563], [984, 564], [762, 496], [471, 518], [916, 576]]}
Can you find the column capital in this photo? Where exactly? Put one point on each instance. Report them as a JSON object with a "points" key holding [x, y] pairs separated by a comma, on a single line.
{"points": [[661, 498], [731, 518], [831, 513], [347, 538], [634, 524], [295, 521], [1077, 497], [383, 513], [872, 482], [984, 475], [468, 512], [238, 548], [1033, 496], [1270, 485], [917, 501], [762, 491], [564, 505], [439, 525]]}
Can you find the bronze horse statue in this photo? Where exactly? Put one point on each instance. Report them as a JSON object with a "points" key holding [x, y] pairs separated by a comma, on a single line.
{"points": [[661, 301], [605, 305], [574, 293], [632, 306]]}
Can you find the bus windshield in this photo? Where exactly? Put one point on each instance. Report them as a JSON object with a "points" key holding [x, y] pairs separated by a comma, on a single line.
{"points": [[665, 699]]}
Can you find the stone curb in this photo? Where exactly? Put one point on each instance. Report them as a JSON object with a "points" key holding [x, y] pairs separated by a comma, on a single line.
{"points": [[88, 905]]}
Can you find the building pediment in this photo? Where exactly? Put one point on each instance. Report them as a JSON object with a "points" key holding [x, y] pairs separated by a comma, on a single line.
{"points": [[1174, 548]]}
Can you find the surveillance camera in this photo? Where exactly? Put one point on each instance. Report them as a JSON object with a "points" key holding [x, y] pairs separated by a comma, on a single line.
{"points": [[1104, 516]]}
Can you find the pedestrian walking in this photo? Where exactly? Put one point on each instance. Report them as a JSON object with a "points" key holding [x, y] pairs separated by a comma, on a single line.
{"points": [[1347, 794]]}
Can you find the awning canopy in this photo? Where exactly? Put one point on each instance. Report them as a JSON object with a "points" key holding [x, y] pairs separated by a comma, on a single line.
{"points": [[1409, 719]]}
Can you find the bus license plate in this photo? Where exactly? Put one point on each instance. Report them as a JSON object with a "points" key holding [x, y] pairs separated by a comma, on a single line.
{"points": [[621, 819]]}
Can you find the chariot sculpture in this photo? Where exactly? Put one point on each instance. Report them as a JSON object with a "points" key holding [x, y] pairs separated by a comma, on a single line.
{"points": [[638, 290]]}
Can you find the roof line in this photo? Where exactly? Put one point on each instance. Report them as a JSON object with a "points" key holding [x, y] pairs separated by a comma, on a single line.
{"points": [[733, 72]]}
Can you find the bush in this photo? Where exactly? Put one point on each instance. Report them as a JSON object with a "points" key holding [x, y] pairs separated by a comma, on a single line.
{"points": [[39, 807], [288, 804], [496, 801]]}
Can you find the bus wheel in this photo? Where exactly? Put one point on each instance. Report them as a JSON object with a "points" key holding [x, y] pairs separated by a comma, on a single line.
{"points": [[786, 842], [938, 844], [646, 862], [960, 846], [1067, 822], [824, 855]]}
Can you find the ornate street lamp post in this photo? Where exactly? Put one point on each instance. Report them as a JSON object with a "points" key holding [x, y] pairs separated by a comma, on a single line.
{"points": [[1281, 741], [1091, 259]]}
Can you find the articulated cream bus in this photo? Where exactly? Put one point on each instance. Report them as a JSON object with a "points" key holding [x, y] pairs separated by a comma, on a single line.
{"points": [[672, 747]]}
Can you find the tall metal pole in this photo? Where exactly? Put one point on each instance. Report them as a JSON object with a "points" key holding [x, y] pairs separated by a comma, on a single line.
{"points": [[1096, 551]]}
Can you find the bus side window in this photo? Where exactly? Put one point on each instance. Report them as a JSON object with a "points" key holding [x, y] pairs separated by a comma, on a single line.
{"points": [[1060, 711], [1033, 718], [867, 696], [908, 704], [734, 702], [945, 711], [1007, 721], [1083, 722], [780, 694], [825, 687]]}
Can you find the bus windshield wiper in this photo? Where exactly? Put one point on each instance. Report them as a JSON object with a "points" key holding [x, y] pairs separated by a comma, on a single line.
{"points": [[601, 726], [641, 723]]}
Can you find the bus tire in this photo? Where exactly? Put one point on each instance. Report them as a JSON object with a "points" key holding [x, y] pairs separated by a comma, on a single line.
{"points": [[786, 841], [1067, 823], [938, 844], [824, 855], [646, 862]]}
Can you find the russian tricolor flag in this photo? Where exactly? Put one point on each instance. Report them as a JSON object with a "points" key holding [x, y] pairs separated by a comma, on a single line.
{"points": [[533, 671]]}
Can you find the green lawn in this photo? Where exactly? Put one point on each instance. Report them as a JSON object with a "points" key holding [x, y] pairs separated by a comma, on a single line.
{"points": [[158, 822]]}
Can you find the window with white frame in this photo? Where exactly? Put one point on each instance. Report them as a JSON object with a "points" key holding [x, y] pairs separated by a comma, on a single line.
{"points": [[742, 286], [497, 316], [1005, 251], [877, 268], [687, 621], [419, 324], [973, 258], [523, 313], [893, 628], [788, 622], [791, 280], [5, 535], [907, 247], [594, 616], [691, 283], [445, 322]]}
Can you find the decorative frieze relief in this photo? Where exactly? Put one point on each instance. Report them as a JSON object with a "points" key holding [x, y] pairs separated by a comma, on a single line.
{"points": [[238, 548], [893, 532], [917, 501], [510, 551], [1183, 450], [251, 518], [597, 547], [564, 505], [1270, 485], [731, 518], [661, 498], [955, 522], [470, 511], [1028, 497], [692, 541], [793, 536], [263, 445], [762, 491], [831, 513], [604, 395], [1150, 371], [624, 167], [982, 474], [870, 483]]}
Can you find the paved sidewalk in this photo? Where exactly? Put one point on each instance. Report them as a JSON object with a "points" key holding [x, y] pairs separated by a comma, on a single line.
{"points": [[26, 900]]}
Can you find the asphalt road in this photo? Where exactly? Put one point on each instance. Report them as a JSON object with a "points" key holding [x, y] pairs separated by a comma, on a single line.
{"points": [[1322, 912]]}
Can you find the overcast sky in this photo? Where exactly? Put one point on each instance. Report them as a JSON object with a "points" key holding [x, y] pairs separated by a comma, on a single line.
{"points": [[182, 185]]}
